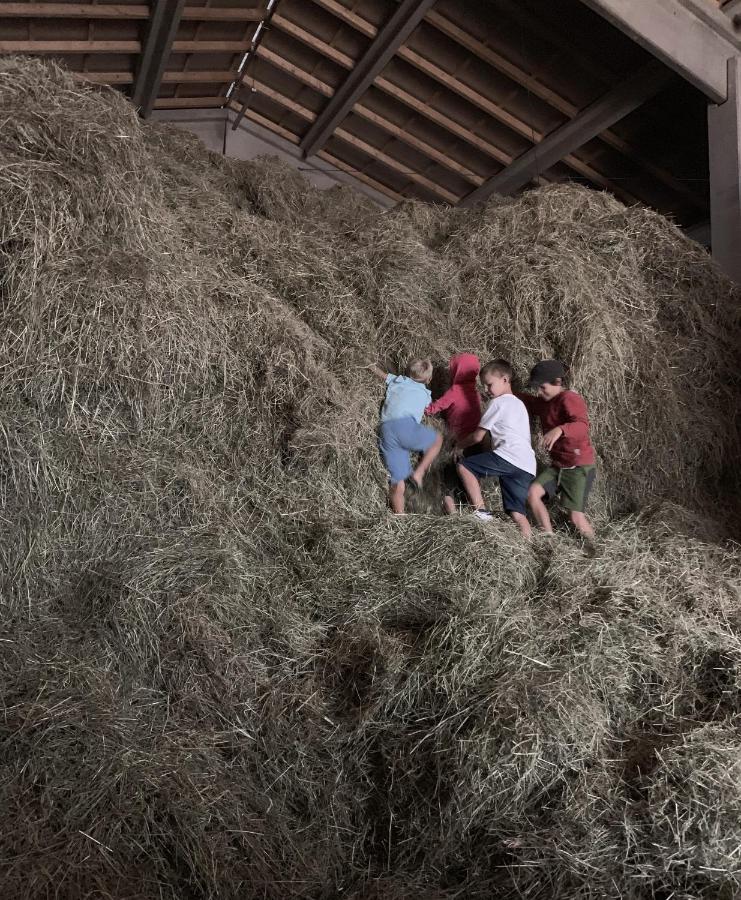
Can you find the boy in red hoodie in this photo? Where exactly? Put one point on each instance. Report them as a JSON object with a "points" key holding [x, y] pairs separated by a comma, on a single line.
{"points": [[565, 425], [461, 407]]}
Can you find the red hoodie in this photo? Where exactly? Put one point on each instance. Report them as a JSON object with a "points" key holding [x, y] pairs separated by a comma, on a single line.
{"points": [[461, 403], [566, 411]]}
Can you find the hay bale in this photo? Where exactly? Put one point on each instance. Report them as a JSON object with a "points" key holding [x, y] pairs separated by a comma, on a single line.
{"points": [[227, 670]]}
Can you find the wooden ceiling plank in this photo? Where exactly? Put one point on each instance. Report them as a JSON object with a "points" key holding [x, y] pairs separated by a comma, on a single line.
{"points": [[123, 11], [444, 121], [327, 157], [405, 18], [286, 102], [224, 76], [560, 144], [473, 96], [192, 76], [210, 46], [188, 102], [305, 37], [348, 17], [427, 149], [405, 97], [73, 11], [425, 66], [64, 47], [128, 47], [222, 14], [104, 77], [361, 176], [501, 63], [349, 138], [554, 99], [365, 112], [470, 94], [299, 74], [394, 164], [265, 122]]}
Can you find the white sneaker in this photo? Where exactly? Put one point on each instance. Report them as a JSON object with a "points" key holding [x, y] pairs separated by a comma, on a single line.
{"points": [[483, 514]]}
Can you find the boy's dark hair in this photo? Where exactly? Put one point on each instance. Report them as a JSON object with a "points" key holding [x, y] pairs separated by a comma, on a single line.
{"points": [[547, 371], [498, 367]]}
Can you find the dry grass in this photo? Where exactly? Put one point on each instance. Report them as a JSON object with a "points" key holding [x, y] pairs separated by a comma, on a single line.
{"points": [[227, 671]]}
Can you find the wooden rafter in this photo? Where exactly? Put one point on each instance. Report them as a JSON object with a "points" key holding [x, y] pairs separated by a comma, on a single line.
{"points": [[123, 11], [513, 122], [405, 18], [310, 40], [65, 47], [604, 112], [342, 134], [552, 98], [224, 77], [577, 165], [188, 102], [327, 157], [126, 47], [365, 112], [393, 90], [191, 76]]}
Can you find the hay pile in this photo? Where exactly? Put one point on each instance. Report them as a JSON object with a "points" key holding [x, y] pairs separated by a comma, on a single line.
{"points": [[226, 670]]}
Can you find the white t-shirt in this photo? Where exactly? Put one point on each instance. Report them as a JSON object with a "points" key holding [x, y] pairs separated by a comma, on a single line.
{"points": [[507, 421]]}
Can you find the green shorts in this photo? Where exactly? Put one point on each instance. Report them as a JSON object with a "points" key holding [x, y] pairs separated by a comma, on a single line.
{"points": [[571, 486]]}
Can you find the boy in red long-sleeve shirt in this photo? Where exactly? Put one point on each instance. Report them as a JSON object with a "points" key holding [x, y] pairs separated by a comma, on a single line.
{"points": [[461, 407], [565, 425]]}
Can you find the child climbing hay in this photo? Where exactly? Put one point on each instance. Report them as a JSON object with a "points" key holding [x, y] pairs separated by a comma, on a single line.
{"points": [[401, 431]]}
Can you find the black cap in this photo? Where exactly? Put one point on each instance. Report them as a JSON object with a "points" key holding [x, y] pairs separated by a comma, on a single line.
{"points": [[546, 372]]}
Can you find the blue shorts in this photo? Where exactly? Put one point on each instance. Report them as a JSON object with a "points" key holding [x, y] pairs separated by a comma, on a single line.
{"points": [[514, 482], [397, 439]]}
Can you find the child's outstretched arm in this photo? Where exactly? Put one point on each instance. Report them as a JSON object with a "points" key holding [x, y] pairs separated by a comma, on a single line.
{"points": [[377, 371], [441, 404]]}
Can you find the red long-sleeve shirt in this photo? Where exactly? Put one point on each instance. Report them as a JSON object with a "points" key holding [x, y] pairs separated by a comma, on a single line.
{"points": [[461, 403], [566, 411]]}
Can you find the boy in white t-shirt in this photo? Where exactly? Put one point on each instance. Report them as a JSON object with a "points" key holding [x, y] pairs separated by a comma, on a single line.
{"points": [[511, 458]]}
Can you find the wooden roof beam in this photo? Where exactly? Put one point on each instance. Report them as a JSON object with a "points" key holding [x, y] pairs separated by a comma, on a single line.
{"points": [[74, 11], [123, 11], [349, 138], [554, 99], [189, 102], [407, 15], [125, 47], [393, 90], [679, 36], [327, 157], [601, 114], [451, 82], [365, 112], [163, 27], [192, 76], [64, 47]]}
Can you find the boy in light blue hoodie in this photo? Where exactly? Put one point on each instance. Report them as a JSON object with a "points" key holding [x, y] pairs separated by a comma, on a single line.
{"points": [[401, 431]]}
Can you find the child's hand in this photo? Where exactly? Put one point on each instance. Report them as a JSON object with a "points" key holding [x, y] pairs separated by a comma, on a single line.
{"points": [[550, 437], [377, 371]]}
